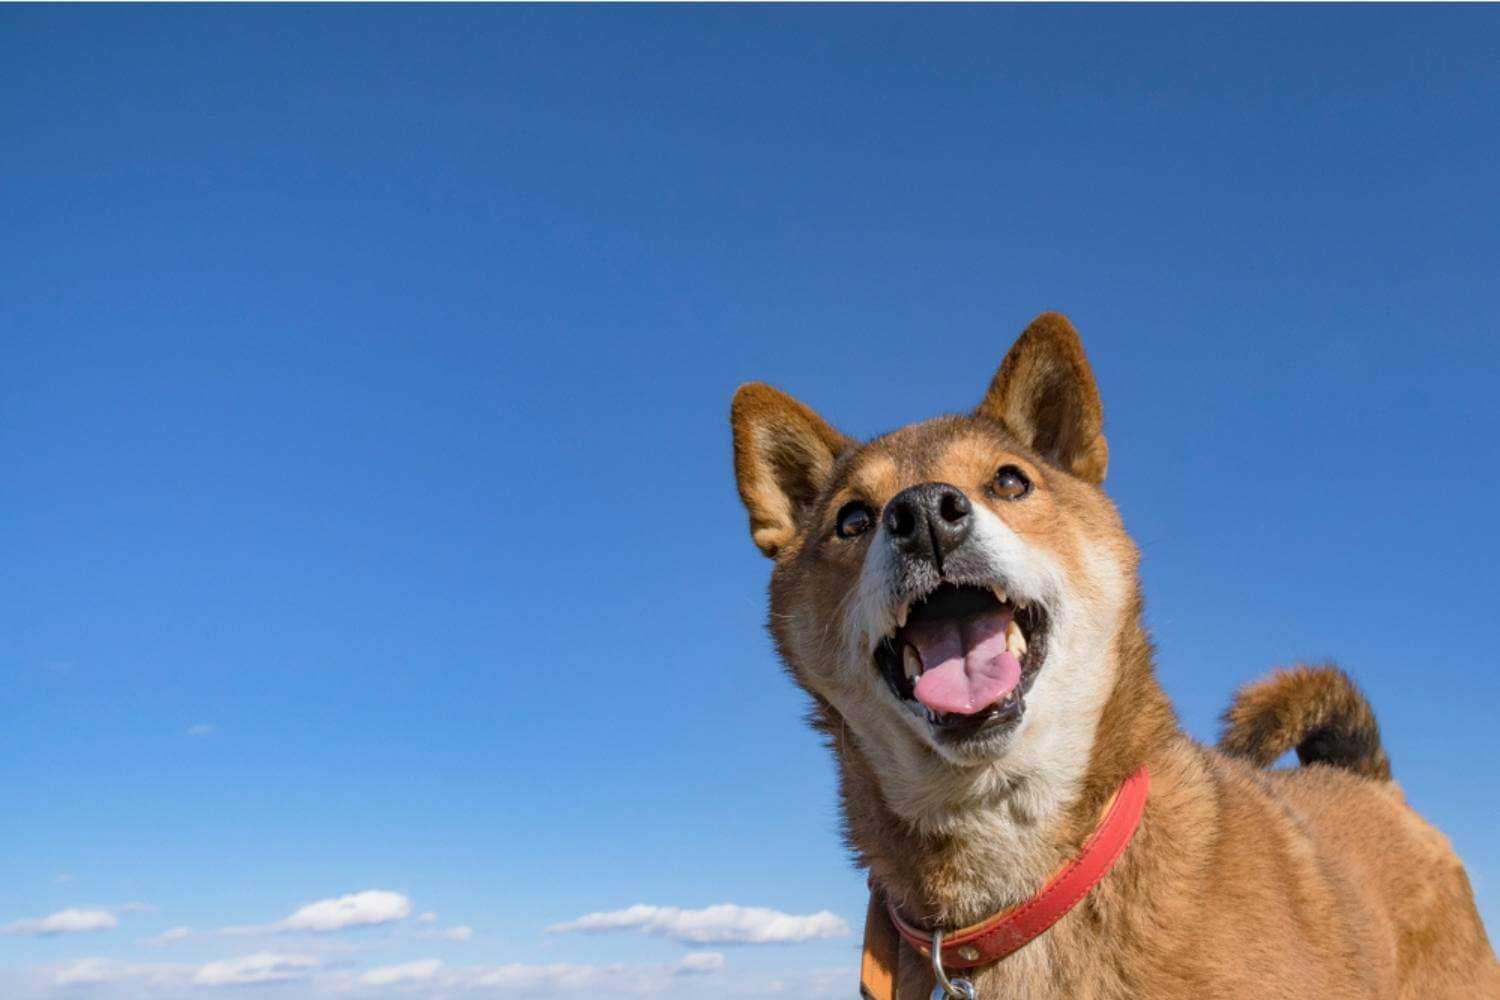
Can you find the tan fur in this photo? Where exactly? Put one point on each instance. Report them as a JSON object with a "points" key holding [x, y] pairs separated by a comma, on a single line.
{"points": [[1318, 882]]}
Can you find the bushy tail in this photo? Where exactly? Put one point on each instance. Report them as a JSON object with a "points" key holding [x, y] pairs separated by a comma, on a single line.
{"points": [[1316, 710]]}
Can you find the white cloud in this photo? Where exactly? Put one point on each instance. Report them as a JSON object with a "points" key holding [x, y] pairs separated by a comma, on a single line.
{"points": [[261, 967], [200, 730], [63, 922], [700, 963], [89, 970], [94, 971], [358, 909], [722, 924], [63, 878], [247, 970], [567, 978], [426, 918], [166, 937], [309, 980], [564, 979], [430, 977], [182, 979], [408, 972], [460, 933]]}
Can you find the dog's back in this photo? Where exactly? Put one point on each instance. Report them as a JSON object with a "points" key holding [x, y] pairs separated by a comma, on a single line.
{"points": [[1400, 892]]}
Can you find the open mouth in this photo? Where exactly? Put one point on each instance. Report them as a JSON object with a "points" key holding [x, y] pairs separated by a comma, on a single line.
{"points": [[964, 656]]}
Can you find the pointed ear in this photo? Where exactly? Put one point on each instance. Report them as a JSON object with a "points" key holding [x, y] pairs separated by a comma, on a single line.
{"points": [[1045, 394], [783, 454]]}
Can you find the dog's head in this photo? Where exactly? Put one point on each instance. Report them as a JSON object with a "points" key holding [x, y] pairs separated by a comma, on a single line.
{"points": [[953, 590]]}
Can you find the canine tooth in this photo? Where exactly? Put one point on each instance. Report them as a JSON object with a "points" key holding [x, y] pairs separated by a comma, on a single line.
{"points": [[912, 662], [1015, 640], [1000, 593], [901, 614]]}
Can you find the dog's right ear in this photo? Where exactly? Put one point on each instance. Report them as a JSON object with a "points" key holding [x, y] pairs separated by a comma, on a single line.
{"points": [[783, 454], [1045, 393]]}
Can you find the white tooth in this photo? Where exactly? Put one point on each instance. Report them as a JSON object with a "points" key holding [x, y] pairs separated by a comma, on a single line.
{"points": [[1000, 593], [901, 614], [912, 662], [1014, 640]]}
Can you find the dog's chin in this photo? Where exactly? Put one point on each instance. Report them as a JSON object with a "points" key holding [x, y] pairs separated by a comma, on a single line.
{"points": [[987, 744]]}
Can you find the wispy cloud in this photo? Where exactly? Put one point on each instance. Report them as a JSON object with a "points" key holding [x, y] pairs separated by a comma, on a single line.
{"points": [[460, 933], [167, 937], [309, 978], [98, 971], [357, 909], [408, 972], [562, 979], [247, 970], [261, 967], [432, 977], [700, 963], [63, 922], [726, 923], [200, 730]]}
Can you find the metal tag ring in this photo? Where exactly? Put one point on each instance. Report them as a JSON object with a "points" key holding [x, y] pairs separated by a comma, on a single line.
{"points": [[947, 989]]}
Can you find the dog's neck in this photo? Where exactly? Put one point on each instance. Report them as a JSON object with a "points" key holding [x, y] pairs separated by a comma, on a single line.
{"points": [[1000, 848]]}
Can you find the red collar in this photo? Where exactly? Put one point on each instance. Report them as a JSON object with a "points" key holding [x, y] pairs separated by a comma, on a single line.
{"points": [[994, 938]]}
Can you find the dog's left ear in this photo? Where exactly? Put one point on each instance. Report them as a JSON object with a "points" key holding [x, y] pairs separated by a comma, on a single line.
{"points": [[783, 455], [1045, 394]]}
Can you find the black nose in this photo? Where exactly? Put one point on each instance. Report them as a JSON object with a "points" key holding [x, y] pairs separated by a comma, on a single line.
{"points": [[928, 521]]}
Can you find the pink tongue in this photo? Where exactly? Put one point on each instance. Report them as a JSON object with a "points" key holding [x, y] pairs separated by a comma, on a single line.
{"points": [[965, 665]]}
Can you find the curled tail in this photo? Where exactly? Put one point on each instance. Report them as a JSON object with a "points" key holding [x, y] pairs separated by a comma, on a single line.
{"points": [[1316, 710]]}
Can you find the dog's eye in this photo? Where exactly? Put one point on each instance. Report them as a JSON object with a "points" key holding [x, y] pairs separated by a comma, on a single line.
{"points": [[854, 518], [1011, 483]]}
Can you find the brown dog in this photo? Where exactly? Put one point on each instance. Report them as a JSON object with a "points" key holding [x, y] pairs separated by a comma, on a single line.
{"points": [[960, 600]]}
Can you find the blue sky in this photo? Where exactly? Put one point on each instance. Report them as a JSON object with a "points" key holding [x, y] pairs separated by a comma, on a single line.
{"points": [[368, 515]]}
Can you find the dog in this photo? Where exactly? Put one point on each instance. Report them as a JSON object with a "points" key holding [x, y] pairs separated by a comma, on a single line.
{"points": [[961, 602]]}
